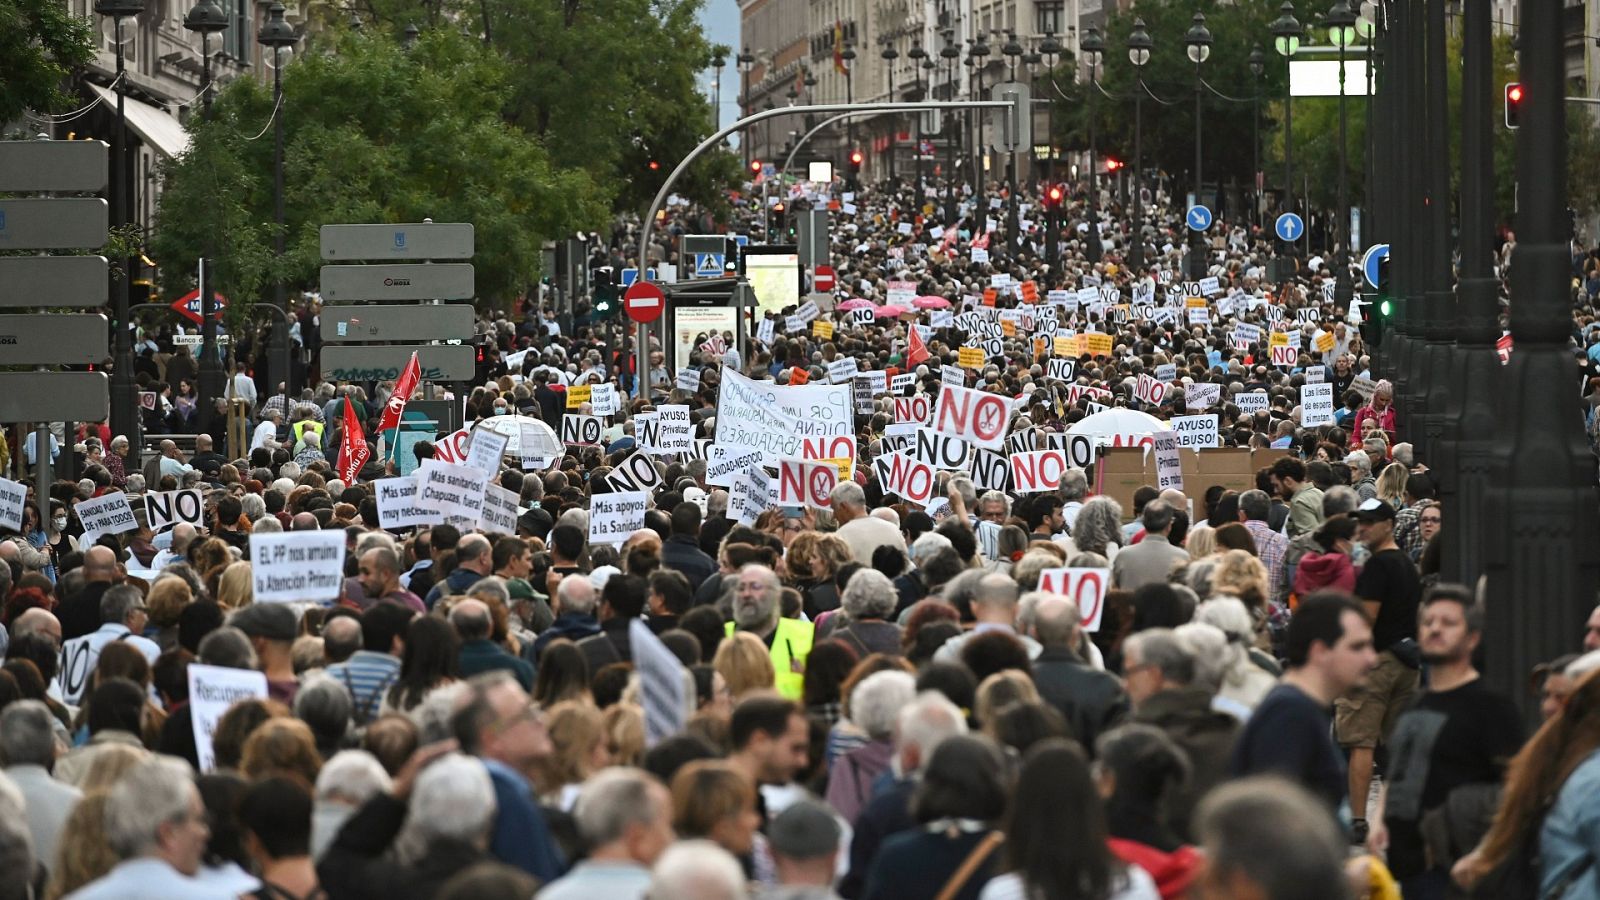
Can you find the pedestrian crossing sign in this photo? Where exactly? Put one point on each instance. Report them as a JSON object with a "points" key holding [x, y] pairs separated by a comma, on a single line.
{"points": [[708, 265]]}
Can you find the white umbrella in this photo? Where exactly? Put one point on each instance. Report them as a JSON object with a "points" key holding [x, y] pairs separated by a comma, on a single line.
{"points": [[1119, 427], [541, 438]]}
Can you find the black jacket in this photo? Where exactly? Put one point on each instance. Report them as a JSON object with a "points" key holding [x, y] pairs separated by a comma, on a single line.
{"points": [[1207, 738], [681, 554], [1092, 701], [355, 867]]}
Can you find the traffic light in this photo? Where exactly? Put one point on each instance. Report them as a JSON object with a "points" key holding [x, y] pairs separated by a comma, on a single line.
{"points": [[1054, 195], [1113, 164], [755, 167], [1377, 316], [1514, 96], [654, 166], [856, 158]]}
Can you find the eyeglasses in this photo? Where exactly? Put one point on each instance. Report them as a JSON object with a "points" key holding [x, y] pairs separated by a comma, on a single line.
{"points": [[528, 713], [1432, 520]]}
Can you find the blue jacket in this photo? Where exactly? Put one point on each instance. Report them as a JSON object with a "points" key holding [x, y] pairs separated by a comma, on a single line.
{"points": [[521, 838], [483, 655], [1569, 842]]}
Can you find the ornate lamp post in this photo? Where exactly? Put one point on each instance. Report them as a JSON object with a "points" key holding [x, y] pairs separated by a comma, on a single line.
{"points": [[1286, 40], [951, 54], [1198, 43], [1258, 67], [849, 57], [1050, 49], [1139, 47], [745, 61], [124, 398], [207, 18], [717, 62], [1093, 48], [1341, 24], [919, 59], [889, 55], [276, 35], [1012, 52]]}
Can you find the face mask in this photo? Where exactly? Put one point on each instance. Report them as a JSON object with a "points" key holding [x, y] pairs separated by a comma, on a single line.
{"points": [[60, 522], [499, 410]]}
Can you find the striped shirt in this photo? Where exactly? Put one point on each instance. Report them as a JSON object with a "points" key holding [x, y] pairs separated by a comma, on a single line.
{"points": [[367, 675]]}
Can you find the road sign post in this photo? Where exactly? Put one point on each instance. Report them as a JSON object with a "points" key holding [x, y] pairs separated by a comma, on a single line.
{"points": [[1199, 218], [1289, 227], [644, 302]]}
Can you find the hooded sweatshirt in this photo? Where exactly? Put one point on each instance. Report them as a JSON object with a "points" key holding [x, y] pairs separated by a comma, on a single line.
{"points": [[1322, 570]]}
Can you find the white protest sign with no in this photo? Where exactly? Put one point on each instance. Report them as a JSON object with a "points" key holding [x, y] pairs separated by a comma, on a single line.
{"points": [[212, 691], [171, 507], [1086, 588], [297, 565], [636, 473], [973, 416]]}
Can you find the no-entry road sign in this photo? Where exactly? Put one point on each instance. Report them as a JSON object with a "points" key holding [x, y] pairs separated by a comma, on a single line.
{"points": [[644, 301]]}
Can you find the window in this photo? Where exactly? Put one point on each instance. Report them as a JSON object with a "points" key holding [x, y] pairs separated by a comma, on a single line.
{"points": [[1047, 18]]}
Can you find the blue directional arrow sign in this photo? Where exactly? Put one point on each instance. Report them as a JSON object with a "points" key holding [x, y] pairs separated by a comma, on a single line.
{"points": [[1199, 218], [1290, 227], [1370, 260]]}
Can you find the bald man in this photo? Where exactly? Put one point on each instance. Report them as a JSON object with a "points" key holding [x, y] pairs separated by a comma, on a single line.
{"points": [[479, 654], [37, 621], [473, 561], [80, 613], [304, 521]]}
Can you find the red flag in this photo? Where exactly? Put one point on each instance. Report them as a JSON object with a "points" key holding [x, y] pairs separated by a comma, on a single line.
{"points": [[353, 451], [917, 351], [396, 405]]}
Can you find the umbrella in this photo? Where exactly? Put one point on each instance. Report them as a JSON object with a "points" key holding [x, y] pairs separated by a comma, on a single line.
{"points": [[855, 303], [931, 303], [891, 312], [542, 440], [1119, 427]]}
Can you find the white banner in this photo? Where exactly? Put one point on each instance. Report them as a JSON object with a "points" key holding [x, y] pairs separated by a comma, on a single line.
{"points": [[612, 517], [108, 514], [1169, 462], [677, 434], [212, 691], [488, 447], [1316, 405], [397, 504], [455, 491], [662, 693], [1202, 396], [500, 510], [297, 565], [976, 417], [1196, 431], [13, 497], [727, 463], [163, 510], [751, 496], [773, 419]]}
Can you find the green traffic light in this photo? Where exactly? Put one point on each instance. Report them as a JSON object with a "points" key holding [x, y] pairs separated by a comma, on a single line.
{"points": [[1385, 308]]}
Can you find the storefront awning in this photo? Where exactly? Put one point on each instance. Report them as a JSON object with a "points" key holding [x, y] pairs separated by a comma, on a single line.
{"points": [[155, 126]]}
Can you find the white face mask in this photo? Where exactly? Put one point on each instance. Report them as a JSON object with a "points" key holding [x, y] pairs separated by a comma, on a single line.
{"points": [[59, 522]]}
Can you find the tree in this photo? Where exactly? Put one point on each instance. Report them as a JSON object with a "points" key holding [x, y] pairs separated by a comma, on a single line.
{"points": [[42, 44], [373, 133]]}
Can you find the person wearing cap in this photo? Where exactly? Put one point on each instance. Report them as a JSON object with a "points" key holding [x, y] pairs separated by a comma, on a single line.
{"points": [[272, 628], [804, 840], [1390, 590]]}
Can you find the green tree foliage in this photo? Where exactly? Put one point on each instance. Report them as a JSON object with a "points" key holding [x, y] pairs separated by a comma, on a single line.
{"points": [[1169, 76], [373, 133], [41, 43]]}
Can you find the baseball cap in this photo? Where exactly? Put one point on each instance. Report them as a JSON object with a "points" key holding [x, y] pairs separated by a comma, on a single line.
{"points": [[271, 621], [805, 830], [1374, 510]]}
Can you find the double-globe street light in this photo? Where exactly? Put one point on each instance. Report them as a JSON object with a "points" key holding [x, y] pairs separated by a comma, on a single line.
{"points": [[124, 402], [1198, 42], [1093, 48], [277, 35], [1139, 47], [205, 19], [889, 55], [1341, 24], [1286, 40]]}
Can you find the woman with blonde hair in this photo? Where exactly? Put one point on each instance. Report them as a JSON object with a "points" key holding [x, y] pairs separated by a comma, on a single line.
{"points": [[1392, 484], [577, 734], [164, 602], [745, 664], [205, 555], [624, 727], [1202, 541], [109, 765], [236, 587], [87, 856], [713, 800], [1239, 573], [814, 561], [282, 746]]}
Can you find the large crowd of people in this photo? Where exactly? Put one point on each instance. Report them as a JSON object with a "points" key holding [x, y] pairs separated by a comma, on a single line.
{"points": [[1255, 687]]}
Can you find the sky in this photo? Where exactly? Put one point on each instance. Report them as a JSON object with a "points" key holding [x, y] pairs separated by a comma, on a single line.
{"points": [[720, 18]]}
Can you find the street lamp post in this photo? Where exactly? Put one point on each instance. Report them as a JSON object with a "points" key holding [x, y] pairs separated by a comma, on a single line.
{"points": [[207, 18], [1341, 23], [1198, 43], [928, 69], [889, 55], [275, 35], [1093, 48], [919, 59], [1258, 66], [717, 62], [951, 54], [1050, 49], [1139, 46], [849, 57], [810, 82], [977, 59], [1012, 52], [1286, 40], [124, 394], [745, 61]]}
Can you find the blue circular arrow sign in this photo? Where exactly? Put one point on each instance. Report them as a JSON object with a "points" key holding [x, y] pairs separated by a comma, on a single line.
{"points": [[1290, 227], [1199, 218], [1375, 254]]}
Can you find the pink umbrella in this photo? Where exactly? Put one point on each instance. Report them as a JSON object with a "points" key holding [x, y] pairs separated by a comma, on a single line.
{"points": [[931, 303], [891, 312], [855, 303]]}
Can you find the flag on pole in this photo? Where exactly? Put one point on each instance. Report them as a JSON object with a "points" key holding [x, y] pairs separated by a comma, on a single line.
{"points": [[838, 48], [395, 406], [917, 351], [353, 451]]}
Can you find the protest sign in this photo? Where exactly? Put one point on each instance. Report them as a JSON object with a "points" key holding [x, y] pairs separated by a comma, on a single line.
{"points": [[1169, 464], [1086, 588], [1316, 405], [213, 690], [764, 331], [677, 433], [842, 370], [1196, 431], [1098, 344], [822, 329], [751, 495], [603, 400], [990, 471], [107, 514], [579, 430], [913, 409], [500, 510], [1316, 374], [689, 380], [488, 447], [1167, 373], [163, 510], [13, 496], [1364, 386], [952, 376], [902, 383], [454, 491], [612, 517], [940, 451], [828, 447], [803, 483], [294, 566], [635, 473], [578, 395], [904, 476], [1037, 471], [726, 462], [1202, 396], [663, 694], [1062, 369], [397, 504], [1150, 391], [974, 416], [1252, 402]]}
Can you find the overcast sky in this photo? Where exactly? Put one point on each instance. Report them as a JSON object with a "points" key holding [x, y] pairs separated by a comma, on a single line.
{"points": [[721, 21]]}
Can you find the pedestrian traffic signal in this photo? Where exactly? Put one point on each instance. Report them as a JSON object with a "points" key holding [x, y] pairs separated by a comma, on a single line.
{"points": [[1377, 316], [1514, 94], [1053, 196], [856, 158]]}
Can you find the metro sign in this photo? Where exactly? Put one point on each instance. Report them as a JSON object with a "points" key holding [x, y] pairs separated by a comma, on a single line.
{"points": [[188, 306]]}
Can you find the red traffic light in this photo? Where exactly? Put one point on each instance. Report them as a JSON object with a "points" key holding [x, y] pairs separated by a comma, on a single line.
{"points": [[654, 165], [1055, 193], [856, 157], [1113, 164], [755, 166], [1514, 96]]}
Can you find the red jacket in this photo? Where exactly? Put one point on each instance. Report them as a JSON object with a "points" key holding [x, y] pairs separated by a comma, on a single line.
{"points": [[1173, 872]]}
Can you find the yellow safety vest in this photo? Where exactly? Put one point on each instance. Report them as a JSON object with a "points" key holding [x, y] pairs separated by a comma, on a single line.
{"points": [[790, 647]]}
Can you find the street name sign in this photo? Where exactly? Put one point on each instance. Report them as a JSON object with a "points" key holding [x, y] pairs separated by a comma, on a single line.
{"points": [[65, 166], [30, 339], [407, 240], [432, 281], [439, 362], [373, 324], [79, 281], [61, 223]]}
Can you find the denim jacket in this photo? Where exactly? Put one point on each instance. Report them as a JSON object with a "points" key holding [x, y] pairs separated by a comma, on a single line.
{"points": [[1569, 842]]}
